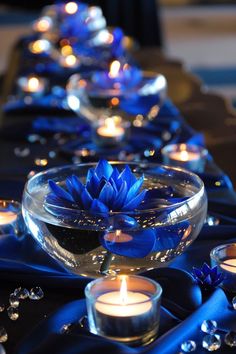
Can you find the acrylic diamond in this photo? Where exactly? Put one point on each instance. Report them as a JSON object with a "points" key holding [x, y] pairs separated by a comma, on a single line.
{"points": [[211, 342], [188, 346], [209, 326], [13, 313], [230, 339], [3, 335], [36, 293], [14, 300]]}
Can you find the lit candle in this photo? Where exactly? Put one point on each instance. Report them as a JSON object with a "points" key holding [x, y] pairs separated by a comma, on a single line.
{"points": [[124, 308], [43, 24], [40, 46], [69, 61], [224, 257], [31, 85], [11, 222], [229, 265], [120, 78], [71, 8], [7, 217], [111, 128], [191, 157]]}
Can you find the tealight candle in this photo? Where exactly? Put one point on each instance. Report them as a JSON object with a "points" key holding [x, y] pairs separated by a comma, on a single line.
{"points": [[111, 131], [69, 61], [224, 257], [31, 85], [119, 79], [124, 308], [10, 217], [43, 24], [191, 157]]}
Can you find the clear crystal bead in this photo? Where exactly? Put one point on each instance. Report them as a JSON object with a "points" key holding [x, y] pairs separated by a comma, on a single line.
{"points": [[21, 152], [36, 293], [14, 300], [188, 346], [211, 342], [230, 339], [66, 328], [2, 307], [3, 335], [21, 293], [2, 350], [13, 313], [234, 302], [209, 326]]}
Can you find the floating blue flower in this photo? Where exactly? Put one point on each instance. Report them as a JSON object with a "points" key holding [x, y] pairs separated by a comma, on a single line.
{"points": [[208, 278], [106, 189]]}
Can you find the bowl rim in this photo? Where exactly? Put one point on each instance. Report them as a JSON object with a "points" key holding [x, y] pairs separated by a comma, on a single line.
{"points": [[200, 191]]}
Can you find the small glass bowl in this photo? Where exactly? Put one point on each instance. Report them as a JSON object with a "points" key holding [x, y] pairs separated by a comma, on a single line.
{"points": [[11, 221]]}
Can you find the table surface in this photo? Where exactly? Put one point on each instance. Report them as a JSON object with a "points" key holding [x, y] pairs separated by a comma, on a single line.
{"points": [[205, 112]]}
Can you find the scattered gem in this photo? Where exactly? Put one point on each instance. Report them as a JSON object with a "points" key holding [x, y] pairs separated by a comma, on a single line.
{"points": [[13, 313], [209, 326], [36, 293], [188, 346], [41, 162], [14, 300], [230, 339], [3, 335], [21, 293], [2, 307], [66, 328], [234, 302], [21, 152], [212, 220], [211, 342]]}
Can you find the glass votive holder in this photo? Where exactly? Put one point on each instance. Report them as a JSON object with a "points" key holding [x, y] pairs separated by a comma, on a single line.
{"points": [[224, 257], [111, 131], [11, 220], [124, 308], [188, 156]]}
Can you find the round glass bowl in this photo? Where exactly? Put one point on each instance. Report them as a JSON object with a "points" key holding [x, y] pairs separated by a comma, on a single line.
{"points": [[91, 243]]}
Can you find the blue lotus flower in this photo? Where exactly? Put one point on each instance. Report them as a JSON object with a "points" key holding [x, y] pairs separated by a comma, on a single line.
{"points": [[106, 189], [208, 278]]}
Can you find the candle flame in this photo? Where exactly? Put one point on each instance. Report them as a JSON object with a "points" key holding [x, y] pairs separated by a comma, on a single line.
{"points": [[114, 69], [33, 84], [70, 60], [110, 124], [123, 291], [184, 155], [71, 8]]}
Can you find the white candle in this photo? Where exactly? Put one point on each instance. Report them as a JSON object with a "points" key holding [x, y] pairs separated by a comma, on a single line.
{"points": [[229, 265], [184, 155], [7, 217], [123, 303], [112, 128]]}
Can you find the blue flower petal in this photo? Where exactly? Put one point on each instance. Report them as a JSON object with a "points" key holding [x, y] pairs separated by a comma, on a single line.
{"points": [[86, 199], [117, 204], [98, 206], [206, 269], [134, 203], [103, 169], [134, 189], [115, 190], [77, 184], [93, 186], [130, 244], [128, 176], [106, 194], [115, 175], [60, 192]]}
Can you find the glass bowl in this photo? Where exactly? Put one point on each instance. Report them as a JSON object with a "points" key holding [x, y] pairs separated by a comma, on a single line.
{"points": [[94, 244]]}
